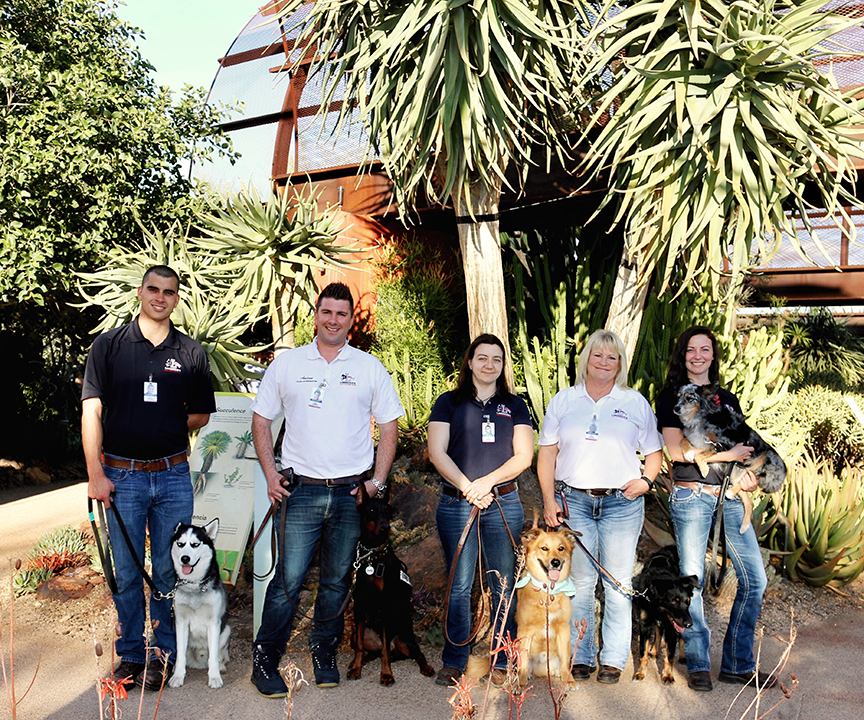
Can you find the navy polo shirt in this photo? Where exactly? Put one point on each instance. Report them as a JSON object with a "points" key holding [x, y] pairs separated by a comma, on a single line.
{"points": [[666, 417], [466, 448], [119, 363]]}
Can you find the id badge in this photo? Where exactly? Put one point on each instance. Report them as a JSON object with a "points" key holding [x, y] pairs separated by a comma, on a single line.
{"points": [[150, 392], [487, 431], [591, 433], [317, 398]]}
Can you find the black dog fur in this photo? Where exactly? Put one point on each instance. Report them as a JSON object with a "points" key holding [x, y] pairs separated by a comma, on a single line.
{"points": [[661, 607], [382, 596]]}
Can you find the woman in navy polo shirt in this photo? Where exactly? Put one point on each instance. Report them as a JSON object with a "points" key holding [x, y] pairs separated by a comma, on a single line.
{"points": [[480, 440], [591, 435]]}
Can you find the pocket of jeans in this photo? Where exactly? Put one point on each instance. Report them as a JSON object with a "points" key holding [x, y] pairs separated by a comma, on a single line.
{"points": [[180, 469], [448, 500], [115, 475], [681, 494]]}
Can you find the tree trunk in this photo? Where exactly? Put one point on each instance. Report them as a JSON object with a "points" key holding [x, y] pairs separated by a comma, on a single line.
{"points": [[628, 305], [481, 260], [283, 321]]}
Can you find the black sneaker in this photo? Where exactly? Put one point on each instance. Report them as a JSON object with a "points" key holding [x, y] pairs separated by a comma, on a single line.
{"points": [[128, 669], [265, 672], [324, 663], [157, 675]]}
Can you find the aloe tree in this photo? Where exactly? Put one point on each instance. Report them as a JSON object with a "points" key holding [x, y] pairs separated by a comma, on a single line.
{"points": [[275, 249], [718, 119], [213, 444], [451, 94]]}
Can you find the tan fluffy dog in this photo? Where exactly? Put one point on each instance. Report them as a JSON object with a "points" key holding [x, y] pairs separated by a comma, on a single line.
{"points": [[547, 564]]}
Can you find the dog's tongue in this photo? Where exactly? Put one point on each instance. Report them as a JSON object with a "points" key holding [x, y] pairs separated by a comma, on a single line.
{"points": [[554, 575], [187, 569]]}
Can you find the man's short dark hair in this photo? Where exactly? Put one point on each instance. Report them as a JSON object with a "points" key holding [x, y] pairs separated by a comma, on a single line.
{"points": [[336, 291], [162, 271]]}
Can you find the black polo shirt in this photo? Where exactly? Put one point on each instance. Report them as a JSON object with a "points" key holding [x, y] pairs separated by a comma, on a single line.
{"points": [[119, 363], [466, 447], [666, 417]]}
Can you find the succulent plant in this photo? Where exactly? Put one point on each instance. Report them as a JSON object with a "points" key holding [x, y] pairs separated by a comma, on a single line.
{"points": [[823, 532]]}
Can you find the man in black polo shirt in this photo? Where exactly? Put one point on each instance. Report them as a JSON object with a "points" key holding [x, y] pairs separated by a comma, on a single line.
{"points": [[146, 386]]}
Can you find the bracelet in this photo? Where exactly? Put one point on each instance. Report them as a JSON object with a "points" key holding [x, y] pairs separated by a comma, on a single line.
{"points": [[649, 481], [380, 486]]}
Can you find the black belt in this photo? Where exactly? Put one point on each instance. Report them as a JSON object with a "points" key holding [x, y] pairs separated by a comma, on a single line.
{"points": [[498, 490], [334, 482], [593, 492], [145, 465]]}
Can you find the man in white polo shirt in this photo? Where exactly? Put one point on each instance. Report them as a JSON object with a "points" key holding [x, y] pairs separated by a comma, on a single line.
{"points": [[328, 392]]}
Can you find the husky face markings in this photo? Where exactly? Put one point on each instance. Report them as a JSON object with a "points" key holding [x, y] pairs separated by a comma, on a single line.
{"points": [[200, 604]]}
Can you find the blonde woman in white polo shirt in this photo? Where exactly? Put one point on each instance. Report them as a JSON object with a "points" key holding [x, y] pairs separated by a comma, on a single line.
{"points": [[589, 451]]}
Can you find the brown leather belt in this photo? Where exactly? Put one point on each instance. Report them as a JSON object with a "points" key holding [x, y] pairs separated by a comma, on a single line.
{"points": [[498, 490], [334, 482], [597, 492], [145, 465], [699, 488]]}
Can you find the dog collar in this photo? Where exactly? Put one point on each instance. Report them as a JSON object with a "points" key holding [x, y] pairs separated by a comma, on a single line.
{"points": [[566, 586]]}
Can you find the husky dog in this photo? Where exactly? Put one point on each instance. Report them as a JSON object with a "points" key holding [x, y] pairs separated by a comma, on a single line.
{"points": [[711, 427], [200, 603]]}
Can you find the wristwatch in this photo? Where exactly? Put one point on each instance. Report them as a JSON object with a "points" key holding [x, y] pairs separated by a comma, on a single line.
{"points": [[381, 487]]}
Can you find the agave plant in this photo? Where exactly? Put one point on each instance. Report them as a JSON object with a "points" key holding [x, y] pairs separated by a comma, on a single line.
{"points": [[824, 530], [718, 119], [275, 249]]}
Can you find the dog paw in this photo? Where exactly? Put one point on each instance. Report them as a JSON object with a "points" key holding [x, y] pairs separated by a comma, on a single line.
{"points": [[176, 680], [427, 670], [690, 455], [638, 676], [387, 679], [215, 682], [668, 680]]}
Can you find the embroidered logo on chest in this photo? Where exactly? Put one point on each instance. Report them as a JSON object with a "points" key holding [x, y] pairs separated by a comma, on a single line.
{"points": [[173, 366], [503, 411], [347, 379], [306, 379], [621, 414]]}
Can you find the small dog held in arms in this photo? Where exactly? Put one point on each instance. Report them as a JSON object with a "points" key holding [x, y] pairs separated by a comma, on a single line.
{"points": [[200, 604], [661, 608], [542, 597], [711, 427], [382, 596]]}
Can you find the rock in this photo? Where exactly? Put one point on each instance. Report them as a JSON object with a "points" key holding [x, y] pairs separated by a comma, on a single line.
{"points": [[416, 504], [63, 588], [426, 565], [37, 476], [4, 462], [420, 459]]}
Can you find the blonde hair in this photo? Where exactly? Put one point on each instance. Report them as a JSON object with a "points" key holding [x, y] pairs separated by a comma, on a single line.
{"points": [[606, 339]]}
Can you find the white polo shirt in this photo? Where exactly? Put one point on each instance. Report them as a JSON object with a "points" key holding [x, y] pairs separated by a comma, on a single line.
{"points": [[328, 408], [597, 441]]}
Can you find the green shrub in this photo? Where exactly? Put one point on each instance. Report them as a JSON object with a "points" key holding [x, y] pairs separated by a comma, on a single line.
{"points": [[821, 349], [55, 551], [832, 432]]}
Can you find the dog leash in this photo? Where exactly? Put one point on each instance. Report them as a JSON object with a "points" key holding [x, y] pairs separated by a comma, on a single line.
{"points": [[475, 514], [564, 516], [106, 554], [715, 574]]}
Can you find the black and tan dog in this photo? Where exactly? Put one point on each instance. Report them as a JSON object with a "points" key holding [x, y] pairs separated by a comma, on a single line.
{"points": [[661, 608], [542, 605], [382, 596], [711, 427]]}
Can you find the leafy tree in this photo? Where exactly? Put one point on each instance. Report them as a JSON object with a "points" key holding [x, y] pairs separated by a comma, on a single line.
{"points": [[451, 94], [86, 141], [718, 121]]}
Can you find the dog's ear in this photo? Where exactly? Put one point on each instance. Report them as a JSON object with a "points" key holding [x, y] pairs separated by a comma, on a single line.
{"points": [[212, 528], [690, 581], [178, 526], [529, 535]]}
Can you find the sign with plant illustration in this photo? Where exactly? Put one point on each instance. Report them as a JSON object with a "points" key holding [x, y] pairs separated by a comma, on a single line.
{"points": [[223, 474]]}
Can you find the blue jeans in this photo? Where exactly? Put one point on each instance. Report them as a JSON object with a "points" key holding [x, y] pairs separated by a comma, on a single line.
{"points": [[498, 556], [154, 501], [693, 518], [313, 513], [610, 528]]}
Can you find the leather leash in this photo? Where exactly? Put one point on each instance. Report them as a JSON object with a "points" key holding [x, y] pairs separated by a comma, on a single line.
{"points": [[714, 574], [475, 514], [564, 516]]}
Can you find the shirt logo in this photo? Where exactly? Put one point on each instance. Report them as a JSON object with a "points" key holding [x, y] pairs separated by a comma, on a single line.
{"points": [[306, 379], [503, 411], [172, 365], [617, 413], [347, 379]]}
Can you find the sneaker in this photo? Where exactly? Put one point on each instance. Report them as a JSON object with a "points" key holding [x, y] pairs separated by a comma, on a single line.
{"points": [[324, 664], [582, 672], [157, 674], [448, 676], [128, 669], [265, 672]]}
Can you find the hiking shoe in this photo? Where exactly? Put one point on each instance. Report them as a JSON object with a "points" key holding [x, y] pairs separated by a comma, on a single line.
{"points": [[265, 672], [608, 675], [448, 676], [765, 680], [128, 669], [157, 674], [498, 677], [582, 672], [700, 681], [324, 664]]}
